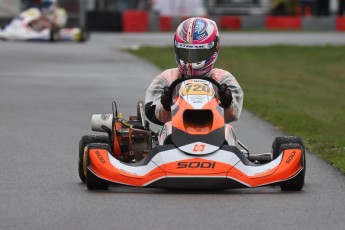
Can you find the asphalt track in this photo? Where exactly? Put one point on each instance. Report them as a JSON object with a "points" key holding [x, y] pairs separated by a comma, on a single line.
{"points": [[48, 93]]}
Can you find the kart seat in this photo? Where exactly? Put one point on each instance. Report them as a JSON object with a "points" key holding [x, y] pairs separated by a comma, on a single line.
{"points": [[168, 140]]}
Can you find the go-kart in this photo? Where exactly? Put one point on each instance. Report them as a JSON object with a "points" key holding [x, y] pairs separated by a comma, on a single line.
{"points": [[32, 26], [195, 150]]}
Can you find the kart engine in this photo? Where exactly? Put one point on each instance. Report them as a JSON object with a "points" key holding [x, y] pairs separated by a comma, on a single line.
{"points": [[132, 141]]}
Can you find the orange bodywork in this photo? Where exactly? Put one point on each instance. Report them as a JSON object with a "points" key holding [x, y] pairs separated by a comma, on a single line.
{"points": [[218, 120], [290, 165], [117, 147], [101, 166], [280, 173]]}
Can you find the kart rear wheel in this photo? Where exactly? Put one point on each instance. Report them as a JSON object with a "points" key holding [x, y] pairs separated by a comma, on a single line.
{"points": [[83, 143], [92, 181], [54, 35], [297, 182]]}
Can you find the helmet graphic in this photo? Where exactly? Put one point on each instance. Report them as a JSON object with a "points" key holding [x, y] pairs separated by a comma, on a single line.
{"points": [[48, 5], [196, 46]]}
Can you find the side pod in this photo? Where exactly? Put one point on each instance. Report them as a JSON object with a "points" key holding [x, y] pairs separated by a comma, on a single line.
{"points": [[288, 165]]}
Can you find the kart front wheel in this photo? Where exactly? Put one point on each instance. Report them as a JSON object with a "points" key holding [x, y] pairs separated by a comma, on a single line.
{"points": [[289, 142], [278, 141], [92, 181], [84, 36], [297, 182], [83, 144]]}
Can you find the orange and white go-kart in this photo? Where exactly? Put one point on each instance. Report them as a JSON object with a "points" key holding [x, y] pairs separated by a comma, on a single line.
{"points": [[195, 150]]}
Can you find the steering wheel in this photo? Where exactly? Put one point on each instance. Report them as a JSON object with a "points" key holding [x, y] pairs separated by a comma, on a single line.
{"points": [[179, 80]]}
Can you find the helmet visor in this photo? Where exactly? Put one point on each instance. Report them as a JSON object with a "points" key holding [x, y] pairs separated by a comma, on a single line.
{"points": [[193, 53]]}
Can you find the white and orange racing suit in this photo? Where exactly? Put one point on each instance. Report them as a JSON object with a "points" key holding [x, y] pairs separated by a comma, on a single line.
{"points": [[157, 114]]}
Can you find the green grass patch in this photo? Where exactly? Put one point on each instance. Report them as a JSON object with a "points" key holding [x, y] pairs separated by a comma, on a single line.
{"points": [[301, 90]]}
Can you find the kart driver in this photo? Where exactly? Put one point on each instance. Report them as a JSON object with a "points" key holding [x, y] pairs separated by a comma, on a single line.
{"points": [[195, 59], [49, 15]]}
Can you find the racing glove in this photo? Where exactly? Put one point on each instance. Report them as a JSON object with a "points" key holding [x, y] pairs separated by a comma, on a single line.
{"points": [[225, 96], [166, 98]]}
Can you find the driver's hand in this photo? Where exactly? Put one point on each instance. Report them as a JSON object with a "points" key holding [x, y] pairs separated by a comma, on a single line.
{"points": [[225, 96], [166, 98]]}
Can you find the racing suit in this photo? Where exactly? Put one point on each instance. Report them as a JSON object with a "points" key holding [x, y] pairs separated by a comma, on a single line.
{"points": [[38, 21], [157, 114]]}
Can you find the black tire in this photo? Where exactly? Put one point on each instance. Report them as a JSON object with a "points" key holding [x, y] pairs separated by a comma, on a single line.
{"points": [[92, 181], [54, 35], [297, 182], [84, 142], [85, 36], [278, 141]]}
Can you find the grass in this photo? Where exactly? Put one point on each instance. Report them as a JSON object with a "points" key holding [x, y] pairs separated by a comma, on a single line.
{"points": [[300, 90]]}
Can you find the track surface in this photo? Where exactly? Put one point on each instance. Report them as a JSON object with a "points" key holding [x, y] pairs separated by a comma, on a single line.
{"points": [[48, 93]]}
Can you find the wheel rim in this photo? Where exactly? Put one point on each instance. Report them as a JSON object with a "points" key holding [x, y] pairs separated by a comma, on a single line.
{"points": [[84, 160]]}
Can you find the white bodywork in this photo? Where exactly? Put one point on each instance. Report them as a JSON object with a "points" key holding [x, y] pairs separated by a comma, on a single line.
{"points": [[19, 29], [174, 155]]}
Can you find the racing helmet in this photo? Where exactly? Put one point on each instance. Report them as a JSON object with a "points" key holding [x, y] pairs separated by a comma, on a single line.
{"points": [[196, 45], [48, 6]]}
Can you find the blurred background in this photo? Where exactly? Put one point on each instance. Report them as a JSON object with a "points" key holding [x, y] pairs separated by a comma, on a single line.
{"points": [[164, 15]]}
